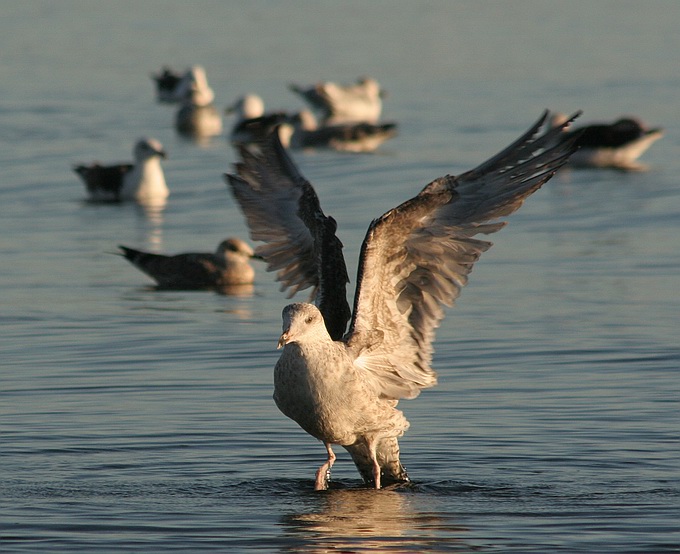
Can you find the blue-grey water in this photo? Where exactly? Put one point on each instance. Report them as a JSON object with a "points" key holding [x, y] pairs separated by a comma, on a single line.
{"points": [[135, 420]]}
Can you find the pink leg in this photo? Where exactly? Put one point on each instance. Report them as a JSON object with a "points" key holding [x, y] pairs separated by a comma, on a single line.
{"points": [[376, 466], [323, 474]]}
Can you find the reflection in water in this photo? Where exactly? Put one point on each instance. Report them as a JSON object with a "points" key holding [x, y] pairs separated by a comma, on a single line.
{"points": [[236, 290], [152, 212], [354, 520]]}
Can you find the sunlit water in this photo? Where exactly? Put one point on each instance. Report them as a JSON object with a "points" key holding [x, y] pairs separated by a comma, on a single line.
{"points": [[134, 420]]}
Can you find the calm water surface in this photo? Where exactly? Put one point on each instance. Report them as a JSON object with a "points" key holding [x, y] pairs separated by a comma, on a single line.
{"points": [[133, 420]]}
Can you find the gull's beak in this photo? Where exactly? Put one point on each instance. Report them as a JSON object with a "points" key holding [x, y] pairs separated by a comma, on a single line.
{"points": [[283, 340]]}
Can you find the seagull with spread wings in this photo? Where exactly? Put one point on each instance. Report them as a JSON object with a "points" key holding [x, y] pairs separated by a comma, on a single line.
{"points": [[343, 387]]}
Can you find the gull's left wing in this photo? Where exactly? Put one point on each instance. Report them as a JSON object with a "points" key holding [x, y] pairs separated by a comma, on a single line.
{"points": [[416, 258]]}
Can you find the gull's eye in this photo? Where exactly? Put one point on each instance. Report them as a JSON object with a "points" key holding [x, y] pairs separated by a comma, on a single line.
{"points": [[309, 319]]}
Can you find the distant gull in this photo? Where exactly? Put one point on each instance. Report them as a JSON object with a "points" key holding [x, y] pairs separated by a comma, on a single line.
{"points": [[301, 130], [360, 102], [142, 181], [344, 137], [197, 115], [249, 110], [229, 265], [615, 145], [169, 85], [343, 388]]}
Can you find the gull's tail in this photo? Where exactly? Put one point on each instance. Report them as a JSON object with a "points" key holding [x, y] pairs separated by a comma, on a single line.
{"points": [[392, 472]]}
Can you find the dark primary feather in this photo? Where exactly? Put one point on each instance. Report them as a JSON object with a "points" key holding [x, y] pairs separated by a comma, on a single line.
{"points": [[429, 244], [283, 211]]}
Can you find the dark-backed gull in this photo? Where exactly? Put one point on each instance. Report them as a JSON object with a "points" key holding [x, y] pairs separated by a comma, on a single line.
{"points": [[616, 145], [142, 181]]}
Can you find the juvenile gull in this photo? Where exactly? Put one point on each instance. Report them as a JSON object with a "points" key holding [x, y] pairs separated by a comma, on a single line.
{"points": [[142, 181], [227, 266], [615, 145], [344, 388], [360, 102]]}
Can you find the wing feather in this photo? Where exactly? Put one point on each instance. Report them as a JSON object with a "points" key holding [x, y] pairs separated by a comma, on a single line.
{"points": [[283, 210], [416, 258]]}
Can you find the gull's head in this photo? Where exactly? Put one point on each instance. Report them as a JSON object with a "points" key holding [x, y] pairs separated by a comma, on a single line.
{"points": [[302, 322], [247, 107], [147, 148], [235, 246], [371, 86], [194, 89]]}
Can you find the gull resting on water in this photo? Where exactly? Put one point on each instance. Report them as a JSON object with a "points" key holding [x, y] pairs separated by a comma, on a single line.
{"points": [[616, 145], [142, 181], [229, 265]]}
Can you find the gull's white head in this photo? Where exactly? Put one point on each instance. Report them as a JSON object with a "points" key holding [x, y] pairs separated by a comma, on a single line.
{"points": [[302, 322], [147, 148], [235, 246], [248, 107]]}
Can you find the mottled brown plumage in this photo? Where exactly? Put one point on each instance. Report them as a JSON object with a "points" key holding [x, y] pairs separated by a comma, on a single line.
{"points": [[414, 261]]}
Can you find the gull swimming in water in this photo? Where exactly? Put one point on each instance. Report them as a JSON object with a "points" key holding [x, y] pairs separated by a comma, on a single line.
{"points": [[360, 102], [229, 265], [197, 116], [343, 388], [615, 145], [170, 85], [249, 111], [142, 181], [344, 137], [301, 130]]}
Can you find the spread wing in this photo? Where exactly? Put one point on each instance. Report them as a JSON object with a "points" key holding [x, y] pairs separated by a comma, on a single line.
{"points": [[283, 210], [416, 258]]}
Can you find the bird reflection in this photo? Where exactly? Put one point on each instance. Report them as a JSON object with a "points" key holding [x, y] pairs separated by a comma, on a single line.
{"points": [[350, 520], [242, 291], [151, 213]]}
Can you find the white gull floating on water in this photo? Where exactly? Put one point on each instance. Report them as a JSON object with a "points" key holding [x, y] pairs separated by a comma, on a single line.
{"points": [[343, 388], [228, 266], [142, 181], [616, 145], [360, 102], [197, 116]]}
